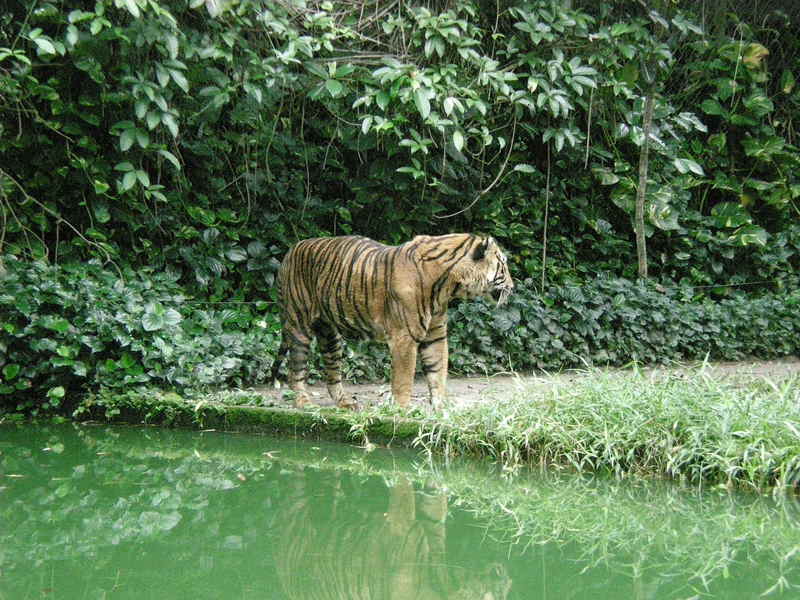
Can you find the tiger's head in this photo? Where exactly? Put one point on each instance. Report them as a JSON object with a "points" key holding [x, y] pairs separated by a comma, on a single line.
{"points": [[485, 273]]}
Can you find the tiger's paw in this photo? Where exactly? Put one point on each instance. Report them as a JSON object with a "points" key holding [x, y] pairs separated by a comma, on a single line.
{"points": [[348, 404]]}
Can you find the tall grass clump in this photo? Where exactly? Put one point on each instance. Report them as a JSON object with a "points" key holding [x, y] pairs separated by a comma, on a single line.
{"points": [[688, 426]]}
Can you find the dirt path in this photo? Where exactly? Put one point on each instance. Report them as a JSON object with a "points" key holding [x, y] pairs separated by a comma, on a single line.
{"points": [[472, 389]]}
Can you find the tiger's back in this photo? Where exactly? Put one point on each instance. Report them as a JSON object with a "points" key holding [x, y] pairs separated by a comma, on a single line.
{"points": [[341, 281]]}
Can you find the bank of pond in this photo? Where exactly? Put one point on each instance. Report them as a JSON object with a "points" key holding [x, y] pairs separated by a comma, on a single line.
{"points": [[92, 511], [688, 424]]}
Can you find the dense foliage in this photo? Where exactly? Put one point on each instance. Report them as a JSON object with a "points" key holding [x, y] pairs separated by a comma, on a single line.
{"points": [[184, 146], [617, 321], [209, 136], [68, 329]]}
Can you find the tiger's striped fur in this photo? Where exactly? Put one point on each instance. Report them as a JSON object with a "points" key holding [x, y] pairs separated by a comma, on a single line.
{"points": [[349, 286]]}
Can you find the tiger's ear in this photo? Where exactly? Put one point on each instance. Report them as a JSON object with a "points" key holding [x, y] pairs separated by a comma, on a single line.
{"points": [[480, 250]]}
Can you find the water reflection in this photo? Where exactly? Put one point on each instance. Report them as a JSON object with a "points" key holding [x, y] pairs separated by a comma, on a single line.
{"points": [[394, 546], [129, 513]]}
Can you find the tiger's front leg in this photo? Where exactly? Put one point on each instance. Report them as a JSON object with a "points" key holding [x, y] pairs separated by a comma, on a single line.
{"points": [[434, 354], [403, 350]]}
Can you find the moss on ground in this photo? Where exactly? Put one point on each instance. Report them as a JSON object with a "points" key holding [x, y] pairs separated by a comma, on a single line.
{"points": [[154, 407]]}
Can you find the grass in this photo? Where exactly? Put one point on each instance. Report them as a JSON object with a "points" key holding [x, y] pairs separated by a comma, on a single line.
{"points": [[682, 424], [691, 426]]}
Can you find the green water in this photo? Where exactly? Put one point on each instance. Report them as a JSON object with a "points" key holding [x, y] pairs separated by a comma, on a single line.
{"points": [[100, 512]]}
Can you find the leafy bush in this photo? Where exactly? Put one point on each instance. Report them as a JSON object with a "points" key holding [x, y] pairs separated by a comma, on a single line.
{"points": [[209, 136], [73, 327], [616, 321]]}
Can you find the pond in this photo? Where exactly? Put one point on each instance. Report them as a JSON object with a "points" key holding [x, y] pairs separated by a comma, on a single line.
{"points": [[116, 512]]}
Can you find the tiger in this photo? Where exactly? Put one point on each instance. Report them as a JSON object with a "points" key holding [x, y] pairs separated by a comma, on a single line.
{"points": [[353, 286]]}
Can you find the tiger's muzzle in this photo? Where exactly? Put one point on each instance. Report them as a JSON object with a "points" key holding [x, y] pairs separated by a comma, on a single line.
{"points": [[501, 293]]}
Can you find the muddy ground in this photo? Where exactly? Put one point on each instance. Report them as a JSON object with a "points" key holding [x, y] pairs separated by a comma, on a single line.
{"points": [[473, 389]]}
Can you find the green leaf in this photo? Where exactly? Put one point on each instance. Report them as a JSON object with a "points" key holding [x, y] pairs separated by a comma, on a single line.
{"points": [[171, 158], [743, 120], [153, 321], [100, 187], [171, 123], [172, 317], [79, 368], [335, 88], [172, 45], [422, 102], [153, 118], [162, 75], [448, 105], [10, 371], [684, 165], [66, 351], [101, 212], [659, 208], [126, 361], [78, 16], [763, 148], [72, 35], [316, 69], [142, 138], [128, 181], [366, 123], [140, 108], [132, 7], [750, 234], [45, 45], [711, 107], [759, 105], [126, 139], [730, 214], [57, 324], [56, 392], [787, 81], [180, 79], [236, 254], [383, 99], [458, 140], [524, 168], [606, 176]]}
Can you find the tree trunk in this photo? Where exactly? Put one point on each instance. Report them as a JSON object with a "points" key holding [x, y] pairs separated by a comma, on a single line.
{"points": [[641, 190]]}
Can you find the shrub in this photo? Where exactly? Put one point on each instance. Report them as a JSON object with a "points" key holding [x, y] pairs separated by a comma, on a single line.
{"points": [[616, 321], [73, 327]]}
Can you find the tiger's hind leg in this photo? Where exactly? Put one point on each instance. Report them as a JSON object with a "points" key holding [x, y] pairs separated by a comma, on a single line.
{"points": [[331, 347], [434, 357], [298, 365]]}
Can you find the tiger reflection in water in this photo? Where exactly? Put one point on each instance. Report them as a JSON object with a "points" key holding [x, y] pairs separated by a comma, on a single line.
{"points": [[399, 554]]}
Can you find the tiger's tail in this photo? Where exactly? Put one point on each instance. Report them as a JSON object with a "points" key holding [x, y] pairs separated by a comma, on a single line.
{"points": [[276, 364]]}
